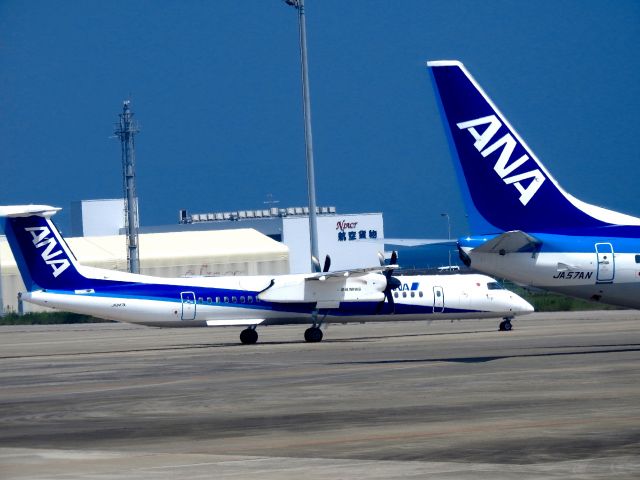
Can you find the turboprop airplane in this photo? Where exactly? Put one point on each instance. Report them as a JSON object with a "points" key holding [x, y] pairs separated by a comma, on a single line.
{"points": [[524, 226], [54, 278]]}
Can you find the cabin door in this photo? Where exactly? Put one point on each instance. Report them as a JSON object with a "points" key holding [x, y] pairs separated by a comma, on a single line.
{"points": [[188, 305], [438, 300], [606, 263]]}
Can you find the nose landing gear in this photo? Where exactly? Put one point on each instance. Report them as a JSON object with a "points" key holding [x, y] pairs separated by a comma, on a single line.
{"points": [[505, 325]]}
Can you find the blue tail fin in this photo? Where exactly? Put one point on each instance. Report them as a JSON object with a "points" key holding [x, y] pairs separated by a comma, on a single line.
{"points": [[504, 185], [42, 256]]}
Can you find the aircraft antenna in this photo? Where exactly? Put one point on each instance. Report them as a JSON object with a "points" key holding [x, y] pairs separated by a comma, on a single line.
{"points": [[126, 129]]}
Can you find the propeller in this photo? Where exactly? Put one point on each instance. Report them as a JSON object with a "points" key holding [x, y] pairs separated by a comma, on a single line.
{"points": [[392, 284], [316, 264], [327, 264]]}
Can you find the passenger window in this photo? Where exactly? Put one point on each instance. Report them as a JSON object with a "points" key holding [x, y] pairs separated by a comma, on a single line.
{"points": [[209, 301], [404, 294], [420, 294], [242, 299], [250, 299], [395, 294], [226, 299], [637, 258], [494, 286], [234, 299], [200, 300], [413, 294], [438, 293], [217, 299]]}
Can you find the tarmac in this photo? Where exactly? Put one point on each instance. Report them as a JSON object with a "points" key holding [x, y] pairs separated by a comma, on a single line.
{"points": [[557, 397]]}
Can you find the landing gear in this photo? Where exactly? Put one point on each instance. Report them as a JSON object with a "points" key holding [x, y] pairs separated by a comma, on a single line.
{"points": [[505, 325], [313, 334], [249, 336]]}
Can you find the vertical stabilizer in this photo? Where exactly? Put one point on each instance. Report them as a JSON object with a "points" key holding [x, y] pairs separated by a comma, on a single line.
{"points": [[42, 256], [505, 187]]}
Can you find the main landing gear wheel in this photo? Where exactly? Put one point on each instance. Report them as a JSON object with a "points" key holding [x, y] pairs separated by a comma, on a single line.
{"points": [[505, 325], [248, 336], [313, 334]]}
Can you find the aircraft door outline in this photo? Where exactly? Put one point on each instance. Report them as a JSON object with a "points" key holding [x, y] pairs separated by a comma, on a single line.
{"points": [[188, 305], [606, 263], [438, 300]]}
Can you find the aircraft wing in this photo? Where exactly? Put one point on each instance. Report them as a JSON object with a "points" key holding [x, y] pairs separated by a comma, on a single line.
{"points": [[352, 272], [510, 242]]}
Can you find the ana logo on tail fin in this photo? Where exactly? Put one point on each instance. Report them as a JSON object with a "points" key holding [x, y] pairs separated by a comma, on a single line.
{"points": [[508, 145], [41, 239], [42, 256]]}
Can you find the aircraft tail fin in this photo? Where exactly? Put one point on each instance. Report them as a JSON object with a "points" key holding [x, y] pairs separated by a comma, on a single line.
{"points": [[504, 185], [43, 257]]}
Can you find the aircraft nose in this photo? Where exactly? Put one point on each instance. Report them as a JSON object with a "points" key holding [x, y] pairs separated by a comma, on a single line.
{"points": [[521, 306]]}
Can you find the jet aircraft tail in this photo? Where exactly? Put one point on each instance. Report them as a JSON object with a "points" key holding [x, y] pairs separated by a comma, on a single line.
{"points": [[43, 257], [504, 185]]}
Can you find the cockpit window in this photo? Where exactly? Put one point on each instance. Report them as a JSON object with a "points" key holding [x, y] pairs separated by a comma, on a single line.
{"points": [[494, 286]]}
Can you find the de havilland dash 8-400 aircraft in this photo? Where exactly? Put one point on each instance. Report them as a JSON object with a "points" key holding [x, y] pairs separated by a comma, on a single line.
{"points": [[524, 226], [54, 278]]}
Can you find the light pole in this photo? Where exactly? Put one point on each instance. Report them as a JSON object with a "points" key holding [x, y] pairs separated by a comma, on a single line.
{"points": [[448, 234], [308, 140]]}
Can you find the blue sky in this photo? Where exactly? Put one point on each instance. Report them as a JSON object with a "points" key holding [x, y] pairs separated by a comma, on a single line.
{"points": [[216, 89]]}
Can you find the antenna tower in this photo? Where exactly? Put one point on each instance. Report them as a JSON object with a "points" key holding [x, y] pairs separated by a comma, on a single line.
{"points": [[126, 129]]}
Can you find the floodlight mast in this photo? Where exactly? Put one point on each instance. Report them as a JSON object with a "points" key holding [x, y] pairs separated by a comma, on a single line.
{"points": [[126, 129], [311, 181]]}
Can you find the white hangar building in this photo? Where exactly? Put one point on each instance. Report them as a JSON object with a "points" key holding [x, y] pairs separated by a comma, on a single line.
{"points": [[351, 240]]}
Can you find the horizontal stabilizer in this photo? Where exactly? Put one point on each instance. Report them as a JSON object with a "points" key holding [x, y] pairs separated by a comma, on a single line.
{"points": [[510, 242], [13, 211]]}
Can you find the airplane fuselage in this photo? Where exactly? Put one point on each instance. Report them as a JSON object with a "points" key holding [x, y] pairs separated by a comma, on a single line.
{"points": [[238, 301], [605, 269]]}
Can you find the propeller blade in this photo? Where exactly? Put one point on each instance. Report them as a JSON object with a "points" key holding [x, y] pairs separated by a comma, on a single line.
{"points": [[392, 283], [327, 264], [391, 301]]}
